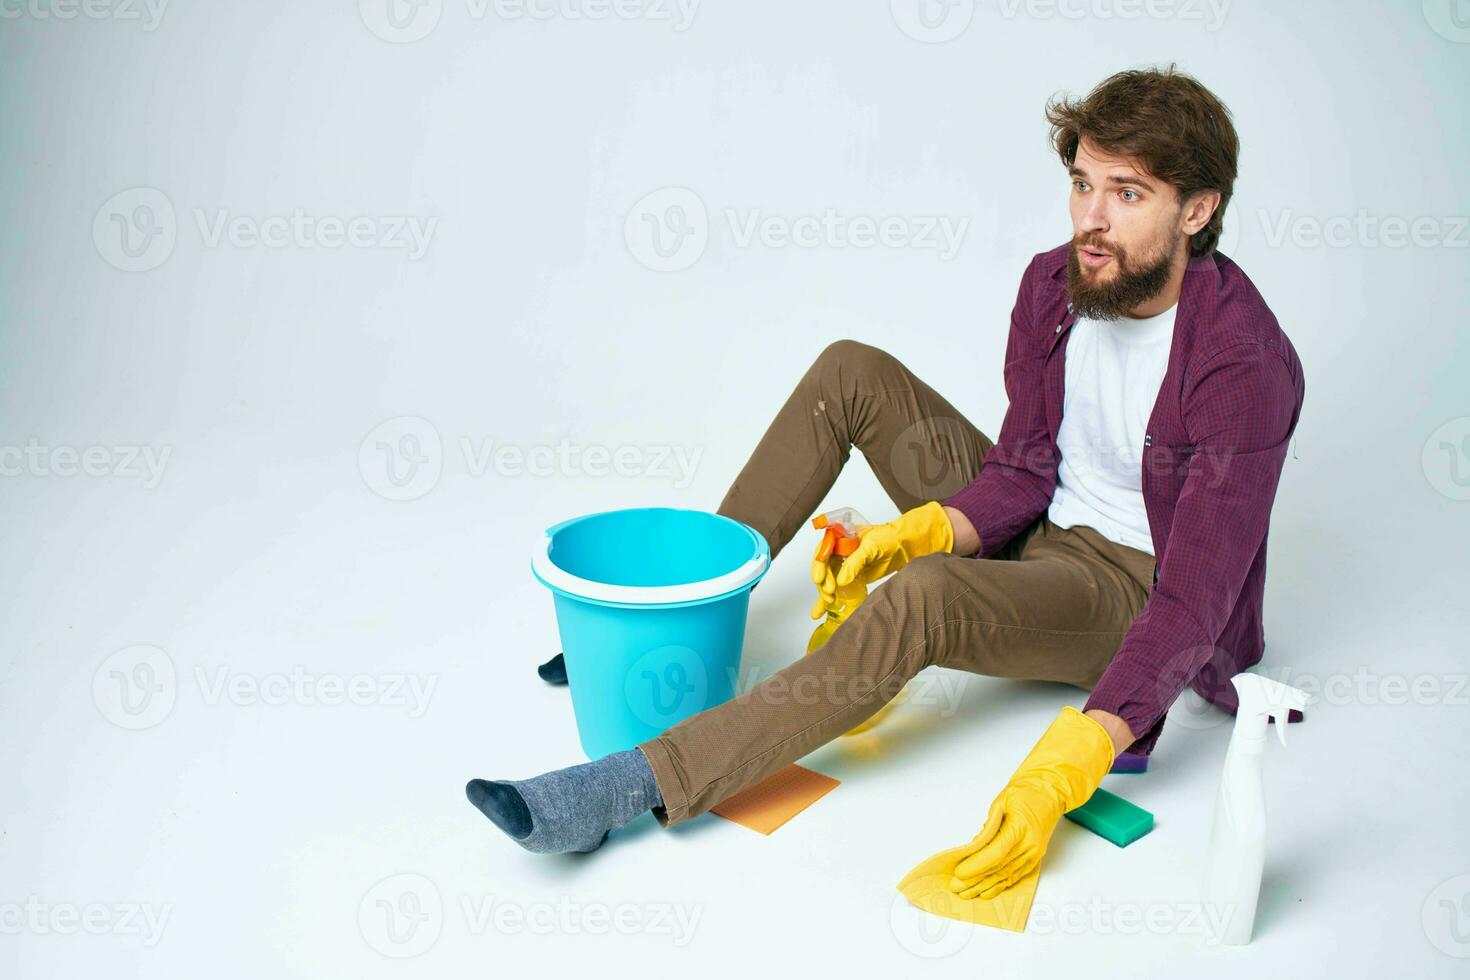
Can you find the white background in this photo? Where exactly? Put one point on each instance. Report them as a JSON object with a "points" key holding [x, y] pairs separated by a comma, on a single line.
{"points": [[264, 831]]}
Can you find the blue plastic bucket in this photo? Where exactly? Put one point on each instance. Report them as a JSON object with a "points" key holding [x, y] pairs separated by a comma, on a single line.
{"points": [[650, 604]]}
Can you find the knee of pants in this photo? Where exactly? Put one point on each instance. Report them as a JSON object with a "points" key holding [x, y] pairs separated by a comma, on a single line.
{"points": [[850, 357], [914, 603]]}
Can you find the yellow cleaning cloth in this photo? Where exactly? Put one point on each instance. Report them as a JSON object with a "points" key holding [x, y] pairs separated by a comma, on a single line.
{"points": [[776, 799], [927, 886]]}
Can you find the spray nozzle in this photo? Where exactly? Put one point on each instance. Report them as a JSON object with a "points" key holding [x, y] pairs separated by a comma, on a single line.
{"points": [[839, 532], [1261, 697]]}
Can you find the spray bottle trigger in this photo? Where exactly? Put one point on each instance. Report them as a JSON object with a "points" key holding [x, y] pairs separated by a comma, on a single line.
{"points": [[1289, 700], [1280, 718]]}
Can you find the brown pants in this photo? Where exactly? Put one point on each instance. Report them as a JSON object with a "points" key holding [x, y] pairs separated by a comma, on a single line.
{"points": [[1053, 604]]}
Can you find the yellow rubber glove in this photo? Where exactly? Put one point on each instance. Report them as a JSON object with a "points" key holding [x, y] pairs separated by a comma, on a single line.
{"points": [[1063, 770], [885, 548], [834, 610], [833, 613], [842, 601]]}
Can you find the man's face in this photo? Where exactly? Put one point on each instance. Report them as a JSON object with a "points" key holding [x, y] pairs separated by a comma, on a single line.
{"points": [[1126, 234]]}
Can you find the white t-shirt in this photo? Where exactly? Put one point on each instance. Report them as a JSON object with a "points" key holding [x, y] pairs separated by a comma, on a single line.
{"points": [[1113, 372]]}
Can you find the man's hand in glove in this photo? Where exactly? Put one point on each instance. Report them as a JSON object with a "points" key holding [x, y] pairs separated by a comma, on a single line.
{"points": [[1063, 770], [886, 548]]}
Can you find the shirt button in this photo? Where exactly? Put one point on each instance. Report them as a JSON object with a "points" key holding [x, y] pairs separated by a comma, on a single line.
{"points": [[1059, 328]]}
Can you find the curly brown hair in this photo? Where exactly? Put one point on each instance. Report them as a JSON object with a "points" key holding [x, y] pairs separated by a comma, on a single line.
{"points": [[1174, 127]]}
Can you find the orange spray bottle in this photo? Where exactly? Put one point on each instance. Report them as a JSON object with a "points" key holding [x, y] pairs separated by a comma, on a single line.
{"points": [[840, 538]]}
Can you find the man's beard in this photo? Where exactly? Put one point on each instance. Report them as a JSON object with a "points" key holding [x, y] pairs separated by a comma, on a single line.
{"points": [[1129, 287]]}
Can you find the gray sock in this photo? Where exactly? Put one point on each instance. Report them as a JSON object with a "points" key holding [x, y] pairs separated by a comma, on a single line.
{"points": [[570, 809]]}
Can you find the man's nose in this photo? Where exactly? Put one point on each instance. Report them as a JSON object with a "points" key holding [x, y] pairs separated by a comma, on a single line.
{"points": [[1094, 217]]}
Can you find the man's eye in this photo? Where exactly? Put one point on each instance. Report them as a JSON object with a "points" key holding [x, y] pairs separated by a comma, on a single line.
{"points": [[1127, 192], [1080, 185]]}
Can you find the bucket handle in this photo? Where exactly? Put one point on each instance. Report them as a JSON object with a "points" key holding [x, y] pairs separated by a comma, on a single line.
{"points": [[558, 578]]}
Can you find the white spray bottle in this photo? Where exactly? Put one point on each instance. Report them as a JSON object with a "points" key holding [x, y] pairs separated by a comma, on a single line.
{"points": [[1238, 833]]}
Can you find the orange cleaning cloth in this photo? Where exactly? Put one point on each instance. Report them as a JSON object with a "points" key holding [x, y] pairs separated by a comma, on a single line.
{"points": [[776, 799]]}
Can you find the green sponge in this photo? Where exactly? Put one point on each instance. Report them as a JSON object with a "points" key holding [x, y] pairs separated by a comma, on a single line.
{"points": [[1113, 818]]}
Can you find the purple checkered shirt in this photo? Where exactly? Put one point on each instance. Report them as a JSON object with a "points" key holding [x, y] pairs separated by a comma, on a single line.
{"points": [[1213, 452]]}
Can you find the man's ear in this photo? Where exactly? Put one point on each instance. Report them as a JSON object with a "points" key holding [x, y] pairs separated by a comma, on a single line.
{"points": [[1198, 209]]}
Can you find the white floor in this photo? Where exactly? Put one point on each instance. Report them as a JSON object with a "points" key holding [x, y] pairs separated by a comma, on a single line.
{"points": [[269, 831]]}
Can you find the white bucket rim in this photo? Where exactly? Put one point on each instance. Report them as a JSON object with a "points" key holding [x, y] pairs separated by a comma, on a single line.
{"points": [[646, 595]]}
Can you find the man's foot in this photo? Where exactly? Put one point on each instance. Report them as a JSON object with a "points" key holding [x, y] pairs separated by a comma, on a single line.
{"points": [[571, 809], [554, 671]]}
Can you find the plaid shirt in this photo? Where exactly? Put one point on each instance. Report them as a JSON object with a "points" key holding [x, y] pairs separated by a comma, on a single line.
{"points": [[1213, 451]]}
